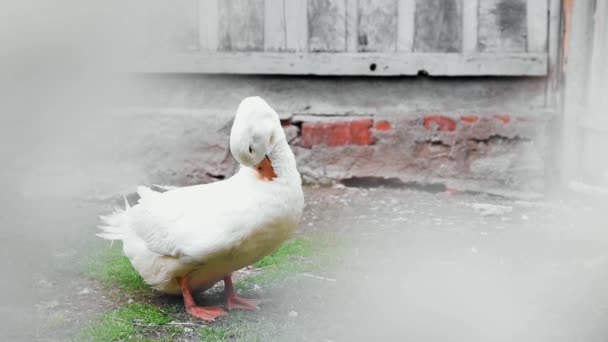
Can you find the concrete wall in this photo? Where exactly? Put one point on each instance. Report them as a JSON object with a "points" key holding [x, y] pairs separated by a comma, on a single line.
{"points": [[73, 125], [487, 134], [482, 134]]}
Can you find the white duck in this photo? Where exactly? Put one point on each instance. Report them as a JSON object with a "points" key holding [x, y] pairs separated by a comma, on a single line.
{"points": [[192, 237]]}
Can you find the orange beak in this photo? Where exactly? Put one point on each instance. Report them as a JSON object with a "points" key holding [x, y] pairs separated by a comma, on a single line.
{"points": [[265, 170]]}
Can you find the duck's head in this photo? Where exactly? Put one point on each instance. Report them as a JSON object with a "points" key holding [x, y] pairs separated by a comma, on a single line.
{"points": [[255, 131]]}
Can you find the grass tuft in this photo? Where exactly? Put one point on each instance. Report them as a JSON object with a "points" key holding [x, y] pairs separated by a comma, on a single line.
{"points": [[141, 322], [291, 257], [145, 313], [174, 330], [124, 324], [226, 334], [111, 267], [296, 247], [214, 334]]}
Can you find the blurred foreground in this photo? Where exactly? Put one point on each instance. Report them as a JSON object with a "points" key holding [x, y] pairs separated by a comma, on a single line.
{"points": [[408, 265]]}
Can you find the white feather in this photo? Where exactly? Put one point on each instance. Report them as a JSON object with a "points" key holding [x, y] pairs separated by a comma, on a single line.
{"points": [[164, 187]]}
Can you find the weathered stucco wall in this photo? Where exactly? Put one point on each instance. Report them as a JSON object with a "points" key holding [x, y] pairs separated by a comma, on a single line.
{"points": [[482, 134]]}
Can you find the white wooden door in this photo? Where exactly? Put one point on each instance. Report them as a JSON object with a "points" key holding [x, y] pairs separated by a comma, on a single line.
{"points": [[348, 37]]}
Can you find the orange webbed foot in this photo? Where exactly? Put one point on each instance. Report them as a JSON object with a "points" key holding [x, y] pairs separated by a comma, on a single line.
{"points": [[235, 302], [206, 313]]}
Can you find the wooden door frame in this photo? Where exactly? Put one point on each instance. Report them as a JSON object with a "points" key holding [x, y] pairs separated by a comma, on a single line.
{"points": [[288, 53]]}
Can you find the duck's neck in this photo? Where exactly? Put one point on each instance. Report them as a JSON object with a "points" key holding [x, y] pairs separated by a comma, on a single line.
{"points": [[284, 163]]}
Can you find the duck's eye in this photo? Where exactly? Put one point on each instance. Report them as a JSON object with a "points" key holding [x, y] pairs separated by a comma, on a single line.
{"points": [[250, 149]]}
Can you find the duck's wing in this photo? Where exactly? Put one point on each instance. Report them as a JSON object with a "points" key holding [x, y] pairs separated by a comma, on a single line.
{"points": [[188, 221], [154, 220]]}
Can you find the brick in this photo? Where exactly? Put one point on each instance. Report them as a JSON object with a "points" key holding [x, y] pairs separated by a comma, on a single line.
{"points": [[337, 133], [452, 191], [311, 134], [505, 118], [360, 132], [383, 125], [439, 122], [474, 157], [469, 118]]}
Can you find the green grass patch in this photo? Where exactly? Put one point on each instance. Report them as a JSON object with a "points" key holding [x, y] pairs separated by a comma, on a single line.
{"points": [[174, 330], [293, 256], [111, 267], [127, 323], [243, 326], [296, 247], [214, 334], [235, 331], [141, 322]]}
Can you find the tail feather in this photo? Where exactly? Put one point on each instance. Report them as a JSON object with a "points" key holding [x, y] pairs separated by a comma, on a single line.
{"points": [[127, 205], [115, 224]]}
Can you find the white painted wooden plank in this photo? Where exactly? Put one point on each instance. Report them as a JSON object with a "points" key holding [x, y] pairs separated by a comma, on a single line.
{"points": [[575, 90], [406, 23], [553, 49], [241, 25], [327, 25], [377, 25], [594, 124], [469, 25], [202, 26], [438, 26], [366, 64], [274, 25], [599, 62], [208, 25], [170, 26], [537, 23], [352, 18], [595, 119], [501, 25], [296, 25], [594, 169]]}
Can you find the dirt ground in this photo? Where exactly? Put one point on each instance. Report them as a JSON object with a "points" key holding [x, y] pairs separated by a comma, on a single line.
{"points": [[410, 265]]}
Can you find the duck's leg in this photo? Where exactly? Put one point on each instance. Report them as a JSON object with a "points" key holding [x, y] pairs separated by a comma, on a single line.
{"points": [[206, 313], [235, 302]]}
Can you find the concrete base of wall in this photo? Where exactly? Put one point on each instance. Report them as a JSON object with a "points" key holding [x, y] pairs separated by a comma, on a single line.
{"points": [[477, 134], [498, 153]]}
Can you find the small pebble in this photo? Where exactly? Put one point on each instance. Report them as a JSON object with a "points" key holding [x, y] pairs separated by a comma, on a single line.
{"points": [[188, 330], [293, 314], [45, 283], [51, 304]]}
